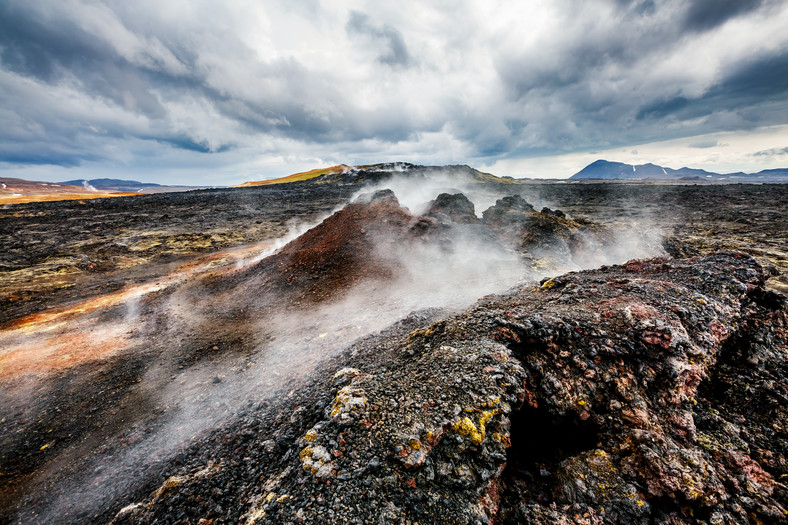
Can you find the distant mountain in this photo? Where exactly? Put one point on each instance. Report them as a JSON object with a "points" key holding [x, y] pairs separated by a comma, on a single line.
{"points": [[111, 184], [15, 191], [130, 186], [606, 170], [12, 186], [344, 174], [778, 172]]}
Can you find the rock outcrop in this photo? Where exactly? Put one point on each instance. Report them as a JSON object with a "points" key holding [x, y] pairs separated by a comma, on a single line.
{"points": [[452, 208], [548, 234], [618, 395]]}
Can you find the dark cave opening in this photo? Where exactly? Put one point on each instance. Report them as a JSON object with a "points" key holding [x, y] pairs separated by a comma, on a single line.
{"points": [[540, 441], [542, 436]]}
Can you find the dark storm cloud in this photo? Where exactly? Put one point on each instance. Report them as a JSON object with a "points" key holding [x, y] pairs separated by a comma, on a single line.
{"points": [[765, 77], [57, 51], [52, 50], [639, 6], [588, 44], [773, 152], [50, 158], [286, 114], [590, 85], [753, 85], [703, 15], [30, 46], [663, 108], [705, 144], [188, 144], [395, 51]]}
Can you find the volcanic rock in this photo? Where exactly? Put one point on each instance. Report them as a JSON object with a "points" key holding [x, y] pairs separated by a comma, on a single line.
{"points": [[452, 208], [217, 373], [512, 206], [378, 173], [546, 234], [384, 195], [365, 241], [557, 213], [617, 395]]}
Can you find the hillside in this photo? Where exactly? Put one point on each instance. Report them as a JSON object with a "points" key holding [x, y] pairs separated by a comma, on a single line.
{"points": [[296, 177], [345, 174], [16, 191], [606, 170]]}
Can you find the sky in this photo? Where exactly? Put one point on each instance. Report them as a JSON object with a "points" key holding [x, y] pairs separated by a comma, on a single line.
{"points": [[217, 93]]}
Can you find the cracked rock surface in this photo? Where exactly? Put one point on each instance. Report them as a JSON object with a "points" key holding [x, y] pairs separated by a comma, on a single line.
{"points": [[618, 395]]}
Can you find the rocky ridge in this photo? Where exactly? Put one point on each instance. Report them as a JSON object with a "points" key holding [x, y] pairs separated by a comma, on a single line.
{"points": [[597, 397]]}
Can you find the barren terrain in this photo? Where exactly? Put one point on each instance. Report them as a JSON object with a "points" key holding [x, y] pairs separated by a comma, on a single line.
{"points": [[166, 351]]}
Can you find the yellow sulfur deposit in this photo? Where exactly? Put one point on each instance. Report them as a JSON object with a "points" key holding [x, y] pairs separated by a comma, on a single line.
{"points": [[477, 432]]}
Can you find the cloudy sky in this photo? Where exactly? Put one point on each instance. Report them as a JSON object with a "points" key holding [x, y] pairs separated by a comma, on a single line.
{"points": [[206, 92]]}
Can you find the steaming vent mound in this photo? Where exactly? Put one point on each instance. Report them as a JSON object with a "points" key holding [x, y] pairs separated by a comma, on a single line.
{"points": [[374, 240], [371, 238], [335, 255]]}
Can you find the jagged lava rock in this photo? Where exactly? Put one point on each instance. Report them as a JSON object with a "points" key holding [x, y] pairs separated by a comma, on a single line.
{"points": [[596, 397], [511, 206], [548, 233], [452, 208]]}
